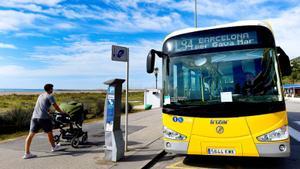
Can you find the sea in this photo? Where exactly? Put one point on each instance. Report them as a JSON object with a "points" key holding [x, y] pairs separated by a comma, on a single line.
{"points": [[4, 90], [20, 90]]}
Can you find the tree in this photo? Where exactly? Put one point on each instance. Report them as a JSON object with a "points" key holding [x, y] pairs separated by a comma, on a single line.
{"points": [[295, 76]]}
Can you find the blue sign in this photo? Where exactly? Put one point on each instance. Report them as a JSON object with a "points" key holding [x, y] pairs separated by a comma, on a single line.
{"points": [[120, 53], [178, 119], [110, 104], [212, 41]]}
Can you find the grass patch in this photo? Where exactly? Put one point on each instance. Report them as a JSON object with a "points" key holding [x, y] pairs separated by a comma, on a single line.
{"points": [[13, 135], [90, 100], [16, 110]]}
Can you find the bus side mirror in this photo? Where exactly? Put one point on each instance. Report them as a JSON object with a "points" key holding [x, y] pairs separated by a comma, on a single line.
{"points": [[150, 61], [284, 62]]}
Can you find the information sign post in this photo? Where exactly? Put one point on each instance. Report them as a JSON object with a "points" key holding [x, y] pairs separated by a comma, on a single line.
{"points": [[121, 54]]}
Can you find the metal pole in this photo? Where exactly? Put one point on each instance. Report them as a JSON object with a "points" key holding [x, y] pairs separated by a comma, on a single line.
{"points": [[196, 15], [126, 105], [156, 81]]}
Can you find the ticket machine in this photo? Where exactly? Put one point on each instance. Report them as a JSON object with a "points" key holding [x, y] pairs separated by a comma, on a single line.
{"points": [[114, 142]]}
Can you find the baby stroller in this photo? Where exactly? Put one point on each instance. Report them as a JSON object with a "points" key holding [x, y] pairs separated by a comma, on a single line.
{"points": [[70, 124]]}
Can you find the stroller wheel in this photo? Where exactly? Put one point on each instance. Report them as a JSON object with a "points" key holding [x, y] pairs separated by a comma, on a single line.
{"points": [[84, 138], [56, 138], [75, 142]]}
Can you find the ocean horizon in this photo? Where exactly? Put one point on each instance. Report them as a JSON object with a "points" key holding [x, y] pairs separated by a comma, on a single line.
{"points": [[6, 90]]}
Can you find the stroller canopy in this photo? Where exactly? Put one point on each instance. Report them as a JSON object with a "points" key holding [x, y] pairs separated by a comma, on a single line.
{"points": [[74, 109]]}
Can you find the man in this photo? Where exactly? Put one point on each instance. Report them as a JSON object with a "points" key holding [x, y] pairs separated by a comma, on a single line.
{"points": [[41, 120]]}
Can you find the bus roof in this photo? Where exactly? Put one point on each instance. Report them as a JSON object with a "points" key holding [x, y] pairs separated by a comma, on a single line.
{"points": [[234, 24]]}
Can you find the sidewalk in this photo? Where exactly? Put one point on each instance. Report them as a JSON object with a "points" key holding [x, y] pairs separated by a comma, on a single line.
{"points": [[144, 144], [293, 99]]}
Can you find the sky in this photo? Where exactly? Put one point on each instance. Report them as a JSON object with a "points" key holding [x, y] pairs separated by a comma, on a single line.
{"points": [[68, 42]]}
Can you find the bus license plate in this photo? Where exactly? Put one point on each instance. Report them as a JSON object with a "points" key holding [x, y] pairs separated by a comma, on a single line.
{"points": [[220, 151]]}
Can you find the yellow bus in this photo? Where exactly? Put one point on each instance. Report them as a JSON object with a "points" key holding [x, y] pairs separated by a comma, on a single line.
{"points": [[222, 91]]}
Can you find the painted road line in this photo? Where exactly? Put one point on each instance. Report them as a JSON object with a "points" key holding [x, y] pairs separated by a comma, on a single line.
{"points": [[294, 133], [180, 165]]}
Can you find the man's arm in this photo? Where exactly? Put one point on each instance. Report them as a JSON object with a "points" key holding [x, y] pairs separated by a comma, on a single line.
{"points": [[54, 104], [57, 108]]}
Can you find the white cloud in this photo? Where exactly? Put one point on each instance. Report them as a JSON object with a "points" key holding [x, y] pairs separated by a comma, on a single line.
{"points": [[16, 3], [20, 5], [287, 31], [242, 9], [145, 15], [86, 59], [109, 19], [31, 5], [11, 70], [65, 26], [7, 46], [79, 57], [76, 37], [140, 22], [13, 20], [233, 10], [29, 34], [43, 2], [78, 12]]}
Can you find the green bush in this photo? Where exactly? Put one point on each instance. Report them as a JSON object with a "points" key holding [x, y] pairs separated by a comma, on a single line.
{"points": [[2, 122], [100, 108], [16, 110], [17, 119], [130, 107]]}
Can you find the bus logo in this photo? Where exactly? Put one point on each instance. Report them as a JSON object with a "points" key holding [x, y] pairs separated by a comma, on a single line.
{"points": [[178, 119], [218, 121], [220, 129]]}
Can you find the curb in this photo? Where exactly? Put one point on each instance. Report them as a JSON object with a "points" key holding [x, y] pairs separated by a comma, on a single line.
{"points": [[154, 159]]}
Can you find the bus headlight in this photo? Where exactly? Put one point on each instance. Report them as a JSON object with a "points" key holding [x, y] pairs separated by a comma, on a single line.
{"points": [[275, 135], [170, 134]]}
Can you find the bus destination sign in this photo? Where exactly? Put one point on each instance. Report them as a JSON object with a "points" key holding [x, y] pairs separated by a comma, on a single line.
{"points": [[212, 41]]}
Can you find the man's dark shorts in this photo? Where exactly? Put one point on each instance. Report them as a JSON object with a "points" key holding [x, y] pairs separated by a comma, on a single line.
{"points": [[37, 124]]}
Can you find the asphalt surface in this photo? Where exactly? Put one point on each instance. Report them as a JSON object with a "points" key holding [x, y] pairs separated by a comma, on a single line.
{"points": [[95, 140], [144, 143], [172, 161]]}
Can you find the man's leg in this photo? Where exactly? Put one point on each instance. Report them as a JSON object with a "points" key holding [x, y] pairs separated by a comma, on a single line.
{"points": [[28, 142], [55, 147], [47, 126], [34, 128], [50, 138]]}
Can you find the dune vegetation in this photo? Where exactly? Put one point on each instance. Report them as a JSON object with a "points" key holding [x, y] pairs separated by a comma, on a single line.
{"points": [[16, 110]]}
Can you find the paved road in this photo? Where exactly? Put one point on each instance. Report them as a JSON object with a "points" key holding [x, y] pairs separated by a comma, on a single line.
{"points": [[144, 129], [171, 161]]}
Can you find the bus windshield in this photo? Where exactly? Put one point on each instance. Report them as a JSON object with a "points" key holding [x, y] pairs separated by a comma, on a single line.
{"points": [[233, 76]]}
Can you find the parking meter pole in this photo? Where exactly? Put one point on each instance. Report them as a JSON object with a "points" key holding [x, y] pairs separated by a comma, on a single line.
{"points": [[126, 106], [114, 142], [105, 113]]}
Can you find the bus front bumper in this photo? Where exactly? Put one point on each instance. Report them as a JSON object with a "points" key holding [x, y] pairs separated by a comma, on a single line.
{"points": [[281, 149], [176, 147], [274, 150]]}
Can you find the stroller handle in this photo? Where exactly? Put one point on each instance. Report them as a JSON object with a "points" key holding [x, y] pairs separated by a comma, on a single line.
{"points": [[58, 113]]}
